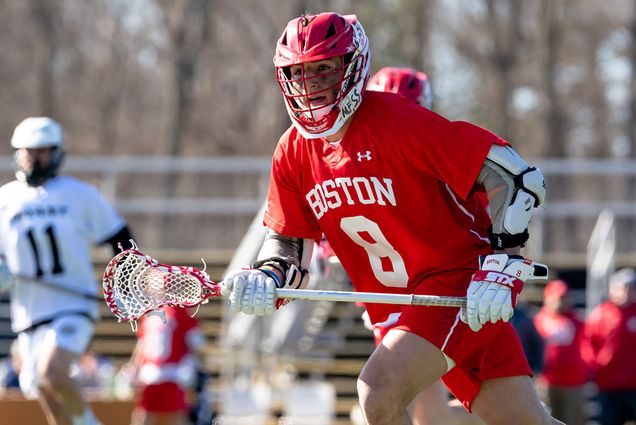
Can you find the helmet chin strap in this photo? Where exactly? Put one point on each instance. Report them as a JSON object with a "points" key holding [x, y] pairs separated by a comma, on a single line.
{"points": [[319, 113]]}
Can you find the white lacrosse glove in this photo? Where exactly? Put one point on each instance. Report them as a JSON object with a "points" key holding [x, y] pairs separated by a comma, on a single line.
{"points": [[251, 291], [6, 278], [495, 287]]}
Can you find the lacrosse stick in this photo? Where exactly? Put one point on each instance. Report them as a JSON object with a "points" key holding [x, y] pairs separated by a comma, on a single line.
{"points": [[135, 284]]}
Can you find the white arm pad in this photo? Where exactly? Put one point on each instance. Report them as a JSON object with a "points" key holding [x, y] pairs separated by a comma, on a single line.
{"points": [[508, 159], [533, 182], [511, 209]]}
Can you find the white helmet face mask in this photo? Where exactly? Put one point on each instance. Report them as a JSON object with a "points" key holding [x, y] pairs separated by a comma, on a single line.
{"points": [[38, 133]]}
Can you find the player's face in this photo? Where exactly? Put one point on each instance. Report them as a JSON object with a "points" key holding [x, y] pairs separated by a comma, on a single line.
{"points": [[621, 293], [33, 159], [319, 81], [558, 303]]}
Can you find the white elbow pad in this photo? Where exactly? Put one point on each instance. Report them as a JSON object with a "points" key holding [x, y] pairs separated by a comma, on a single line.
{"points": [[526, 190], [518, 214], [529, 193], [508, 159], [523, 176], [532, 181]]}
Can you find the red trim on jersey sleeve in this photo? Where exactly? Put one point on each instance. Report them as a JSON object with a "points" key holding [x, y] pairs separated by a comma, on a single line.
{"points": [[295, 219]]}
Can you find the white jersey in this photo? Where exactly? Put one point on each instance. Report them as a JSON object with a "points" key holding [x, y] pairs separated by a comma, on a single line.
{"points": [[47, 233]]}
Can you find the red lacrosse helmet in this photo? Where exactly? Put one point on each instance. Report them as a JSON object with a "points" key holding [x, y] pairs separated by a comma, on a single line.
{"points": [[408, 82], [312, 38]]}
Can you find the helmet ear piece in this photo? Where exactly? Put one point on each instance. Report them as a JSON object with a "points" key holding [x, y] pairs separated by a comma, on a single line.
{"points": [[57, 160], [347, 70]]}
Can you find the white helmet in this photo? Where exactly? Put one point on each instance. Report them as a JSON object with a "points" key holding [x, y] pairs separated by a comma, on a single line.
{"points": [[36, 133]]}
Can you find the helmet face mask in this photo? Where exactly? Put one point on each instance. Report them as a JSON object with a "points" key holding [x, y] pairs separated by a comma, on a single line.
{"points": [[313, 88], [39, 150], [322, 65], [32, 169]]}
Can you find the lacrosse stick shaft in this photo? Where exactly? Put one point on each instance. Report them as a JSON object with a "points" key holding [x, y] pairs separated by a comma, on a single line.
{"points": [[371, 297]]}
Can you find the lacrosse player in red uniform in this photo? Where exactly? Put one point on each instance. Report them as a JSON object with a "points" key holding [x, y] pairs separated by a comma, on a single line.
{"points": [[165, 360], [48, 224], [431, 405], [408, 82], [609, 346], [390, 185]]}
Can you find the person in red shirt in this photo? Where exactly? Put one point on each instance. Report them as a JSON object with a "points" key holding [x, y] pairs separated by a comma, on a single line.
{"points": [[610, 348], [431, 406], [565, 372], [389, 184], [165, 361], [408, 82]]}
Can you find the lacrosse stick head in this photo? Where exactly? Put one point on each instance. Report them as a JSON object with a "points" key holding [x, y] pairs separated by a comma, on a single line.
{"points": [[135, 284]]}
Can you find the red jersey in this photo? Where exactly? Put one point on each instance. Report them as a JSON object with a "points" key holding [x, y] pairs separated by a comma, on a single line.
{"points": [[164, 351], [563, 336], [395, 197], [610, 346]]}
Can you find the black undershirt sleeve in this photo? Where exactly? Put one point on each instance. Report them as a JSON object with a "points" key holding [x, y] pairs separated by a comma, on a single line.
{"points": [[123, 237]]}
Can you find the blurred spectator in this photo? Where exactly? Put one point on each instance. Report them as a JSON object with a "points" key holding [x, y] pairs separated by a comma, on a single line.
{"points": [[610, 348], [565, 372], [531, 340], [10, 368], [93, 372], [165, 360]]}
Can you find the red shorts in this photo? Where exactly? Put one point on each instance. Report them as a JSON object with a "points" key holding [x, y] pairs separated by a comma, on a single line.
{"points": [[163, 398], [493, 352]]}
